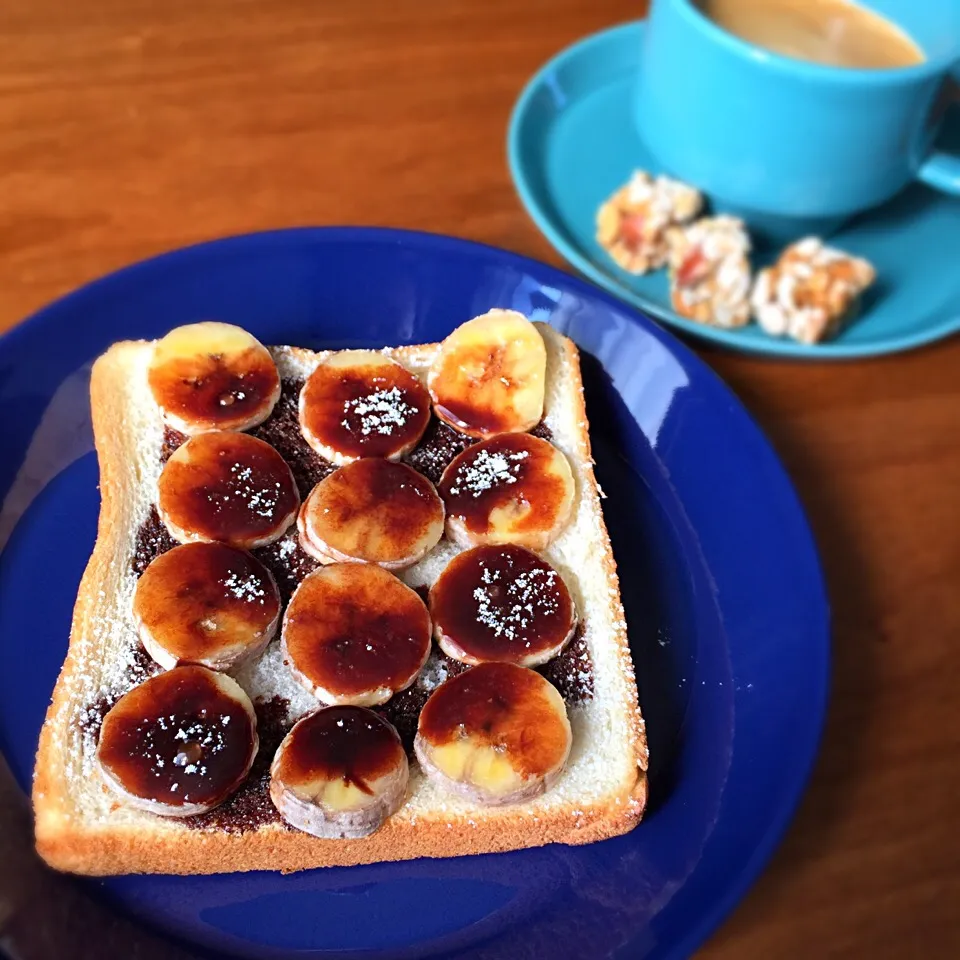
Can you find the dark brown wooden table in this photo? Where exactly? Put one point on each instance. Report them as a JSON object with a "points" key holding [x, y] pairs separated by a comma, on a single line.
{"points": [[133, 126]]}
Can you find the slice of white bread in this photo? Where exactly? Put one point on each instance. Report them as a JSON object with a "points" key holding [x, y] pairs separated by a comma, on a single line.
{"points": [[83, 828]]}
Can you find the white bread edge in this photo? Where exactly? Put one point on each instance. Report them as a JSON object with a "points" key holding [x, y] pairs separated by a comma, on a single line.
{"points": [[70, 840]]}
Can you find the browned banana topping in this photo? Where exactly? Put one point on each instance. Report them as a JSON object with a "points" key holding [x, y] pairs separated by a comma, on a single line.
{"points": [[514, 488], [372, 510], [179, 743], [489, 375], [501, 603], [362, 404], [228, 487], [498, 733], [354, 633], [213, 376], [205, 603], [352, 745], [340, 772]]}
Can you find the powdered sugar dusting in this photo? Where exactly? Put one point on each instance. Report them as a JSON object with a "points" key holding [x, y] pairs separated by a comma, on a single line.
{"points": [[249, 587], [434, 673], [259, 500], [381, 412], [287, 547], [203, 741], [528, 595], [486, 470]]}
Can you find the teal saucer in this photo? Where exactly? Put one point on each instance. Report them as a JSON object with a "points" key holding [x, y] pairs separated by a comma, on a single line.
{"points": [[571, 143]]}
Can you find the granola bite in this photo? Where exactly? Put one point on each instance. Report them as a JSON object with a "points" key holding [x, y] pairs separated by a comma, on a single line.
{"points": [[710, 272], [632, 225], [810, 292]]}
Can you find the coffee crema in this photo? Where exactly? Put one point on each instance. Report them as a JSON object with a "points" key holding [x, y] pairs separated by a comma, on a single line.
{"points": [[830, 32]]}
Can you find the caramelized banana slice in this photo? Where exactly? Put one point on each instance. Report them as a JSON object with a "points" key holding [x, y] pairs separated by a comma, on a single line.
{"points": [[180, 743], [206, 603], [515, 488], [501, 604], [489, 375], [496, 734], [355, 634], [339, 773], [372, 511], [360, 403], [229, 487], [213, 376]]}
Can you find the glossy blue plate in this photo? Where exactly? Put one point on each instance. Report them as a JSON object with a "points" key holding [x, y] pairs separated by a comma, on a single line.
{"points": [[724, 597], [572, 143]]}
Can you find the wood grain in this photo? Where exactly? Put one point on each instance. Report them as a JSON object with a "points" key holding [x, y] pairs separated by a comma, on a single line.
{"points": [[133, 126]]}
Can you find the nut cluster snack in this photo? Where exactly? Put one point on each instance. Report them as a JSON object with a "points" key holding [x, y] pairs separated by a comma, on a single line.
{"points": [[808, 294], [633, 225], [710, 272]]}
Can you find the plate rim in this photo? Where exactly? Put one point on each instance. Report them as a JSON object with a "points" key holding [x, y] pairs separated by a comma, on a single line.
{"points": [[706, 921], [770, 346]]}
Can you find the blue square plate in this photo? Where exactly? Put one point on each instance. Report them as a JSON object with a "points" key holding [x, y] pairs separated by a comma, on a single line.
{"points": [[724, 597]]}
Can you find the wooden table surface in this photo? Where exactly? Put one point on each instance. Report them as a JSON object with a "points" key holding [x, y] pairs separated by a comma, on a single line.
{"points": [[133, 126]]}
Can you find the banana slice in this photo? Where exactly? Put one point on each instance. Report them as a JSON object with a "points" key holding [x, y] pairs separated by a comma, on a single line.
{"points": [[229, 487], [489, 375], [180, 743], [501, 603], [339, 773], [360, 403], [355, 634], [496, 734], [213, 376], [515, 488], [205, 603], [372, 511]]}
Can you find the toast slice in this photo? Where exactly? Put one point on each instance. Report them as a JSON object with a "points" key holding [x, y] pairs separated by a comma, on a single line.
{"points": [[81, 827]]}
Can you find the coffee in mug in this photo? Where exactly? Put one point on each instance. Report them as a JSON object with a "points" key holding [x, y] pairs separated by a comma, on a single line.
{"points": [[790, 145], [832, 32]]}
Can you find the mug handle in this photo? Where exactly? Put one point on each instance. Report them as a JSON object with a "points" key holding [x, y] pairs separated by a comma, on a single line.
{"points": [[941, 170]]}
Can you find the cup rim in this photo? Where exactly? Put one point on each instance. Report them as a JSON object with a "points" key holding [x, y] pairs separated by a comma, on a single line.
{"points": [[882, 76]]}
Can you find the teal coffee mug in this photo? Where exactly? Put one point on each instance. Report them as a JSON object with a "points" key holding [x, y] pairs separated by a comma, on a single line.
{"points": [[790, 145]]}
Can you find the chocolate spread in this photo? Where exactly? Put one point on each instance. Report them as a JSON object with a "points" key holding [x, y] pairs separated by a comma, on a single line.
{"points": [[288, 562], [403, 709], [152, 540], [542, 431], [172, 439], [440, 444], [282, 431], [251, 807], [572, 671]]}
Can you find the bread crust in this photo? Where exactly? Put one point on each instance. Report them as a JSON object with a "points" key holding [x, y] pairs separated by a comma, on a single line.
{"points": [[70, 840], [55, 822]]}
